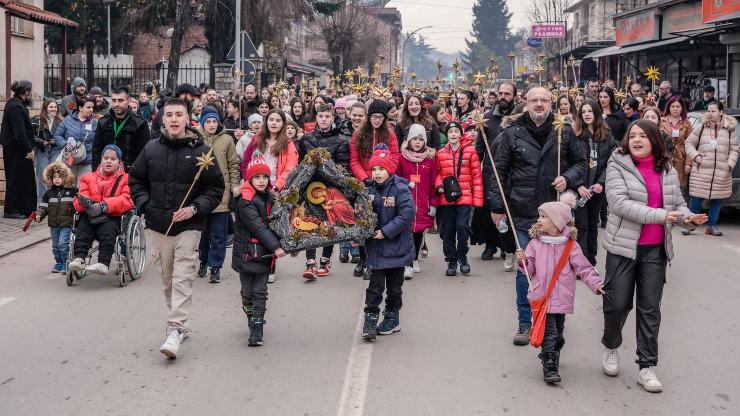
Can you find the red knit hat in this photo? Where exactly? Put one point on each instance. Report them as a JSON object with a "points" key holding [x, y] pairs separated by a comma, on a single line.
{"points": [[258, 165], [382, 157]]}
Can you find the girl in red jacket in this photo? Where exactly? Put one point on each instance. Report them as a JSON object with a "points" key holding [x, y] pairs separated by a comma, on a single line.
{"points": [[372, 132], [458, 160], [421, 173]]}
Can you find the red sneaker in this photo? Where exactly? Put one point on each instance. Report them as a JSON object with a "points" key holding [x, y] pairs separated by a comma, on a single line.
{"points": [[310, 272], [324, 267]]}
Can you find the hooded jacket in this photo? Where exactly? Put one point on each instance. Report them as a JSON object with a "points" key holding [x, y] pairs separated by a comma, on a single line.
{"points": [[58, 202], [531, 169], [81, 131], [361, 167], [163, 173], [332, 140], [225, 153], [394, 205], [132, 137], [542, 260], [713, 179], [69, 102], [618, 123], [679, 149], [423, 191], [469, 175], [253, 238], [146, 111], [287, 161], [99, 186], [627, 195]]}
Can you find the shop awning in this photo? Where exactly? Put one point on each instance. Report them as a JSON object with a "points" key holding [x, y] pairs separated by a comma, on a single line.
{"points": [[620, 50]]}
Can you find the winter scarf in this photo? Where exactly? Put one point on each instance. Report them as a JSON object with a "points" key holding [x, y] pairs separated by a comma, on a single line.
{"points": [[540, 133], [414, 157]]}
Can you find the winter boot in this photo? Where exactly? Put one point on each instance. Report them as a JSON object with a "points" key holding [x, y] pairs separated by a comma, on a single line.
{"points": [[522, 335], [256, 329], [343, 256], [360, 268], [369, 330], [368, 274], [550, 368], [390, 323], [248, 311]]}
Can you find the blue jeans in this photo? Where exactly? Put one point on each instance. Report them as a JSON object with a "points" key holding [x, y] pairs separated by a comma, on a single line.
{"points": [[714, 206], [347, 248], [455, 231], [522, 287], [42, 160], [60, 243], [213, 239]]}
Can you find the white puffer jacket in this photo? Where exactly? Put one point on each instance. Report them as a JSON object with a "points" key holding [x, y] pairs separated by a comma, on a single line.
{"points": [[713, 179], [627, 195]]}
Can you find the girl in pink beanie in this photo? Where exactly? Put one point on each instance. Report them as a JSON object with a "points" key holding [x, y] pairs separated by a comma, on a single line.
{"points": [[549, 237]]}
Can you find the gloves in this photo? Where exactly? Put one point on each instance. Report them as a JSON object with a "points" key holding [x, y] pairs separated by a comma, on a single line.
{"points": [[85, 201], [432, 211], [367, 182], [94, 210]]}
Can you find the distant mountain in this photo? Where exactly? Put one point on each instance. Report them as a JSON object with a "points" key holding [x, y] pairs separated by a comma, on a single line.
{"points": [[446, 58]]}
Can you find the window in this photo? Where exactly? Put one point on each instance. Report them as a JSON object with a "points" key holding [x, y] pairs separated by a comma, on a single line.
{"points": [[17, 25]]}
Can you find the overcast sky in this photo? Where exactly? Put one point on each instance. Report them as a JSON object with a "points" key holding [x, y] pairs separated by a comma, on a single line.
{"points": [[450, 20]]}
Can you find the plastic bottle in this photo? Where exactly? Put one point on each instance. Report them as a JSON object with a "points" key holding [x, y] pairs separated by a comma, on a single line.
{"points": [[502, 226], [582, 201]]}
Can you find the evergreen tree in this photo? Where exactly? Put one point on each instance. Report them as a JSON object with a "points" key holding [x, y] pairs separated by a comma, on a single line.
{"points": [[417, 54], [490, 32]]}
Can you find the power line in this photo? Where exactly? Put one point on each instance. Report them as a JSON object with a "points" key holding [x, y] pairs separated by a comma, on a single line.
{"points": [[440, 5]]}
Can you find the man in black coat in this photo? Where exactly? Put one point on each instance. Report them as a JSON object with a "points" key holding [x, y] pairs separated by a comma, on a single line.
{"points": [[184, 92], [122, 128], [159, 180], [527, 158], [17, 139]]}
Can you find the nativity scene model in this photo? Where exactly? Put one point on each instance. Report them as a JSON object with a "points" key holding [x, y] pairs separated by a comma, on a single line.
{"points": [[321, 205]]}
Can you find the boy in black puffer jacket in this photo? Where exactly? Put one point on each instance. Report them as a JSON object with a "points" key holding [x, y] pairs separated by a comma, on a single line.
{"points": [[255, 245]]}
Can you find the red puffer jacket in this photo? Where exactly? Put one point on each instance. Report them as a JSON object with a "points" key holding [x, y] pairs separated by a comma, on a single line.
{"points": [[470, 176], [98, 186], [361, 168]]}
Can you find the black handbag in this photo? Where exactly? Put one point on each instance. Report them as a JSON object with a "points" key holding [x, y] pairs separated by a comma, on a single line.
{"points": [[104, 217], [451, 185]]}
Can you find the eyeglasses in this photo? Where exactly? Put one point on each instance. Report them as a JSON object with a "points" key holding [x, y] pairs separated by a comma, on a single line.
{"points": [[376, 118], [539, 101]]}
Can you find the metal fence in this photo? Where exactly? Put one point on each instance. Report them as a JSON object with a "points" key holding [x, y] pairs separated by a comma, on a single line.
{"points": [[138, 77]]}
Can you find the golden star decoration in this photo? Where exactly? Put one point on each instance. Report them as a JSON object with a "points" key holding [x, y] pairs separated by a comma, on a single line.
{"points": [[574, 91], [559, 123], [493, 60], [652, 74], [531, 76], [349, 75], [540, 69], [620, 95], [512, 56], [542, 56], [204, 162], [495, 69], [479, 78], [381, 91], [413, 75], [439, 66], [238, 73], [456, 66], [358, 70], [571, 59], [382, 57], [629, 80], [480, 123], [445, 97], [357, 88], [403, 85]]}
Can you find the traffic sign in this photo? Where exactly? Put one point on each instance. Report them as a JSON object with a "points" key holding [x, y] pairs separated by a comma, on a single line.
{"points": [[248, 69], [249, 52], [534, 42]]}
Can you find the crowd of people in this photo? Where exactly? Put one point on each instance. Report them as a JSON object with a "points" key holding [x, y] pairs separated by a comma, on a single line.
{"points": [[519, 185]]}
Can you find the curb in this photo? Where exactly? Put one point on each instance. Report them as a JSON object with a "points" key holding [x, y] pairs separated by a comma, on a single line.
{"points": [[32, 237]]}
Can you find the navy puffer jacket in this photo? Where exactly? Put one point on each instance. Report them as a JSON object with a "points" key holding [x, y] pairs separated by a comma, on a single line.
{"points": [[393, 203]]}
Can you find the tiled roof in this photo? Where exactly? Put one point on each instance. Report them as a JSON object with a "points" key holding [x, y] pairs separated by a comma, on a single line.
{"points": [[34, 14]]}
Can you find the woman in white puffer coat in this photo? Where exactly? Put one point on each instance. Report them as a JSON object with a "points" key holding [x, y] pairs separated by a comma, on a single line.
{"points": [[711, 153]]}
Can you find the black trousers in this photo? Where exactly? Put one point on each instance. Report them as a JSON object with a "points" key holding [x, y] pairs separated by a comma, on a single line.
{"points": [[392, 281], [418, 239], [106, 234], [20, 182], [254, 292], [587, 223], [553, 341], [646, 273], [326, 251]]}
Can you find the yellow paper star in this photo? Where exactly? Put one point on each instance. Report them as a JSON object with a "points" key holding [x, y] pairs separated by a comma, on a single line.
{"points": [[572, 59], [620, 96], [540, 69], [456, 66], [559, 124], [652, 74], [381, 91], [413, 75], [629, 79], [238, 73], [349, 75], [574, 91], [204, 162], [512, 56], [480, 123], [358, 70], [542, 56], [445, 97], [495, 69], [479, 78], [493, 60]]}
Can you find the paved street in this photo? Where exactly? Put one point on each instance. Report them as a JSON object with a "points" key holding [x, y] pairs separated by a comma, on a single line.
{"points": [[93, 349]]}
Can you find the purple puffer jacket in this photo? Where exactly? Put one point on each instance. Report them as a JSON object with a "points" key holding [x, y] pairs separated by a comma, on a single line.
{"points": [[423, 192], [542, 258]]}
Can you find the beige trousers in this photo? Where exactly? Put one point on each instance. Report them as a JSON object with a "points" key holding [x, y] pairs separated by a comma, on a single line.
{"points": [[177, 263]]}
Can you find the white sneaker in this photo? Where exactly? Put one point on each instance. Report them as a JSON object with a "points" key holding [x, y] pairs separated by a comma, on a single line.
{"points": [[416, 267], [610, 362], [271, 278], [97, 268], [172, 345], [408, 272], [77, 265], [649, 381], [509, 262]]}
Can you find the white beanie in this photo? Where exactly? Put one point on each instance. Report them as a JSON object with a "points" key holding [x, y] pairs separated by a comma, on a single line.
{"points": [[417, 130], [253, 118]]}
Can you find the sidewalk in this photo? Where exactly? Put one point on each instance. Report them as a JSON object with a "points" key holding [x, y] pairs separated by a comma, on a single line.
{"points": [[12, 237]]}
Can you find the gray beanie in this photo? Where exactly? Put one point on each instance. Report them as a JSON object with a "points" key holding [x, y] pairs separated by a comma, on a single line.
{"points": [[96, 91], [253, 118], [417, 130], [77, 82]]}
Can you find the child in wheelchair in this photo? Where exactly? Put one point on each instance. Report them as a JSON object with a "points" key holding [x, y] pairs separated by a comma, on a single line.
{"points": [[103, 198], [57, 205]]}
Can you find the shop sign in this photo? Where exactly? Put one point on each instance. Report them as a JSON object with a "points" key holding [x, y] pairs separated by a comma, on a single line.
{"points": [[682, 17], [638, 28], [720, 10], [548, 31]]}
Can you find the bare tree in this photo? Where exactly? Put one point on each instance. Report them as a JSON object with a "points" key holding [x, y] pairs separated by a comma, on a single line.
{"points": [[549, 12]]}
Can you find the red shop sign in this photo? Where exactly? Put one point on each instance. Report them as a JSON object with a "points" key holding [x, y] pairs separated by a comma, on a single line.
{"points": [[638, 28], [720, 10]]}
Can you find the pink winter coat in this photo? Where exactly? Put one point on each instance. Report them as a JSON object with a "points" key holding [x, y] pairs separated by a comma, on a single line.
{"points": [[542, 258], [423, 191]]}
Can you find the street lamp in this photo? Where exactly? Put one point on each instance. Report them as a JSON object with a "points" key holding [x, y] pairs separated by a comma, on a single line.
{"points": [[107, 3], [403, 52]]}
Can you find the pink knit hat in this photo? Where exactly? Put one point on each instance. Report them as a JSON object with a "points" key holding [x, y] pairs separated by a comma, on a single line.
{"points": [[560, 212]]}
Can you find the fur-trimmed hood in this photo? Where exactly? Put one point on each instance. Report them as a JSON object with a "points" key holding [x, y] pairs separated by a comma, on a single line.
{"points": [[728, 122], [63, 171], [508, 121], [568, 231]]}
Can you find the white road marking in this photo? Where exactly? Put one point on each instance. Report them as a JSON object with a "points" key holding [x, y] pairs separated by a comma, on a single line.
{"points": [[53, 276], [731, 247], [5, 301], [354, 389]]}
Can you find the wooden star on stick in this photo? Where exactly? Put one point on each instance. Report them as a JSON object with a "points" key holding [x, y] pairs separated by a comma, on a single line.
{"points": [[571, 59], [413, 75], [542, 56], [620, 95], [574, 91], [479, 78], [559, 124], [652, 74]]}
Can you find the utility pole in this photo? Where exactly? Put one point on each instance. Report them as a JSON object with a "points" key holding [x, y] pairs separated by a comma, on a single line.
{"points": [[403, 52], [107, 3], [238, 41]]}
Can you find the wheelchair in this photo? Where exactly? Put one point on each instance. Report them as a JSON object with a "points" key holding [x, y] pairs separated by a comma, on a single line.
{"points": [[129, 253]]}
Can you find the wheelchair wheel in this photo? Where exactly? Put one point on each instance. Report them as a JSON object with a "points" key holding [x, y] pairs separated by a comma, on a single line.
{"points": [[121, 276], [70, 276], [135, 248]]}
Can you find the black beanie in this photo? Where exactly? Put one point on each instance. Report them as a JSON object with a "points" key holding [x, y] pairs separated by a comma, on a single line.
{"points": [[377, 106], [455, 124]]}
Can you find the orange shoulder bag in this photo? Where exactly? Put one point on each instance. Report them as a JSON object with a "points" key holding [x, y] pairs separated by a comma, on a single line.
{"points": [[539, 306]]}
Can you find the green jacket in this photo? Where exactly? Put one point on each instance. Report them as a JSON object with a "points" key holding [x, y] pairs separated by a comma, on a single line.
{"points": [[225, 154]]}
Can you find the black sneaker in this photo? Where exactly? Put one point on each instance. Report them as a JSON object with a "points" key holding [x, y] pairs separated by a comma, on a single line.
{"points": [[215, 275], [256, 330], [451, 268], [343, 257], [390, 323], [464, 266], [488, 253], [368, 274], [203, 270], [355, 259], [369, 330], [360, 269]]}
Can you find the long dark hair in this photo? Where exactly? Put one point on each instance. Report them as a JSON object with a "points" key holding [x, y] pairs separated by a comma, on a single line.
{"points": [[424, 118], [613, 106], [44, 116], [281, 144], [433, 111], [365, 136], [312, 113], [660, 159], [601, 129], [570, 102], [303, 107]]}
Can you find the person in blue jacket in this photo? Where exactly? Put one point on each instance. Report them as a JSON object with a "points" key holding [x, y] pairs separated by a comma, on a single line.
{"points": [[79, 127], [392, 247]]}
